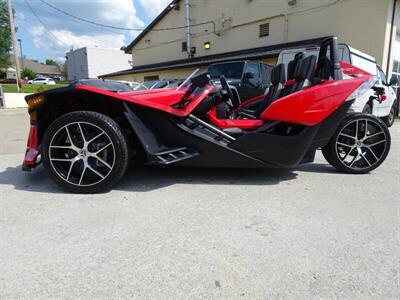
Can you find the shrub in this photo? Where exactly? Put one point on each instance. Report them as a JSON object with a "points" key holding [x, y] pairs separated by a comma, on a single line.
{"points": [[28, 73]]}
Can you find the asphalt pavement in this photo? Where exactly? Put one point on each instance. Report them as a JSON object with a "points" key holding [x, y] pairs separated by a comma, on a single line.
{"points": [[308, 233]]}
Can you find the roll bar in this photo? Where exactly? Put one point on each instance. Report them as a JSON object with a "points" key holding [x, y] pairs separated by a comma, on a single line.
{"points": [[331, 43]]}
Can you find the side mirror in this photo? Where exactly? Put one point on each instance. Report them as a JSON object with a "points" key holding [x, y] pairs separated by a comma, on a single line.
{"points": [[393, 81], [249, 75]]}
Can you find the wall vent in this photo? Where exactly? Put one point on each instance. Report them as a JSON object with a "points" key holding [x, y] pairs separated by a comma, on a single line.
{"points": [[184, 47], [264, 30]]}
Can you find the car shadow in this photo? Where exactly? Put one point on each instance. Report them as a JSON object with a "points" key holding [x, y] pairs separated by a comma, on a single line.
{"points": [[149, 178]]}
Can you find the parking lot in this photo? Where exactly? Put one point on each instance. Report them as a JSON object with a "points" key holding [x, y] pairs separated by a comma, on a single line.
{"points": [[199, 233]]}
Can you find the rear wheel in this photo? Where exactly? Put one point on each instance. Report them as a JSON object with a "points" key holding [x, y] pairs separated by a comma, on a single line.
{"points": [[85, 152], [360, 144]]}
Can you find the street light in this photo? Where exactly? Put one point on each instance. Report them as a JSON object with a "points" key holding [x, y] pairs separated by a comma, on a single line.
{"points": [[22, 56]]}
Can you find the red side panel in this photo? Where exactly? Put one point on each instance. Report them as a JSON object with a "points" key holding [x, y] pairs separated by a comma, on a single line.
{"points": [[312, 105], [161, 99], [238, 123]]}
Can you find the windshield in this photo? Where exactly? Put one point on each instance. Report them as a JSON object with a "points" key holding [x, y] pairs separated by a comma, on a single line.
{"points": [[232, 70]]}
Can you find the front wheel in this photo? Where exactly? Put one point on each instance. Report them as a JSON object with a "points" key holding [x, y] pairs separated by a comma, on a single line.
{"points": [[360, 144], [85, 152]]}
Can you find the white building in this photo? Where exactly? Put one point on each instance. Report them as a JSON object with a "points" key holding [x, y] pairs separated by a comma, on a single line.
{"points": [[91, 62]]}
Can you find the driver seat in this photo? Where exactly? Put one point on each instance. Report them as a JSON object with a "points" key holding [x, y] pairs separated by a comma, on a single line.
{"points": [[278, 78]]}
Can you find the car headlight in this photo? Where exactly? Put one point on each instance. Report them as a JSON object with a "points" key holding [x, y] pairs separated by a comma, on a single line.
{"points": [[363, 88]]}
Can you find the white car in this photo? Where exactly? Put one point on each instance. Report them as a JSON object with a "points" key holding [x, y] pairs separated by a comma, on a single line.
{"points": [[367, 103], [42, 80], [136, 86]]}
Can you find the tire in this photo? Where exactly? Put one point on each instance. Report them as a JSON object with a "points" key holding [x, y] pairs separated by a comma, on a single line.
{"points": [[367, 109], [361, 152], [92, 164], [389, 120]]}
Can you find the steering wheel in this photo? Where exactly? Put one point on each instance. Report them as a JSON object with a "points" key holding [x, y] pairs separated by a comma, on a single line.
{"points": [[234, 101]]}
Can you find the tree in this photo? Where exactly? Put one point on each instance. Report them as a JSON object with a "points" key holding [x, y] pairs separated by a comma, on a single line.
{"points": [[28, 73], [5, 36], [51, 62]]}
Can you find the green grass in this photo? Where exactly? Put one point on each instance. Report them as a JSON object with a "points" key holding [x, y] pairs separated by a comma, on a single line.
{"points": [[29, 88]]}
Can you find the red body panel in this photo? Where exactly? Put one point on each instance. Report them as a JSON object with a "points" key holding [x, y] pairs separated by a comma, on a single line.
{"points": [[160, 99], [312, 105]]}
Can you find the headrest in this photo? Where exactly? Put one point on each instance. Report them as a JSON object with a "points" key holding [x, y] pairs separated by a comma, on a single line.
{"points": [[299, 55], [278, 74], [305, 68]]}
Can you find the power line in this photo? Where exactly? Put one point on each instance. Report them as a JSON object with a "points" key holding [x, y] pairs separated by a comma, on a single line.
{"points": [[53, 35], [44, 26], [70, 20], [124, 28]]}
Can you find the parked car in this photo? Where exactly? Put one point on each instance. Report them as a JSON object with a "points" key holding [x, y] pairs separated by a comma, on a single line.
{"points": [[248, 79], [162, 83], [135, 86], [42, 80], [385, 109], [86, 135]]}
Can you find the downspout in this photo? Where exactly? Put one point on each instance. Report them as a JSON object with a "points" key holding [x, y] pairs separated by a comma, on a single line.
{"points": [[389, 58], [187, 16]]}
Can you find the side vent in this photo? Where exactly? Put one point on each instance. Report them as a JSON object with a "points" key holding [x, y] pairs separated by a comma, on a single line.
{"points": [[264, 30]]}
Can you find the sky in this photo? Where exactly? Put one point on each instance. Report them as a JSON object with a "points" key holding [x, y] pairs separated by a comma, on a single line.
{"points": [[50, 34]]}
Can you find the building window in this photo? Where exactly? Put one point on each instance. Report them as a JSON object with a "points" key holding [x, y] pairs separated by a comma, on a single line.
{"points": [[184, 47], [264, 30]]}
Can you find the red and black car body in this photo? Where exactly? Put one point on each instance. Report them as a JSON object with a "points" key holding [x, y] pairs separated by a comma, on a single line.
{"points": [[181, 127]]}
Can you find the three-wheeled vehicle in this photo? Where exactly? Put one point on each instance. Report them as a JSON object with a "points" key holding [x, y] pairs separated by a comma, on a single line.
{"points": [[87, 133]]}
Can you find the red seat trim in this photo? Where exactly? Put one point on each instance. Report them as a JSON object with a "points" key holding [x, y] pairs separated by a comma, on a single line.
{"points": [[238, 123]]}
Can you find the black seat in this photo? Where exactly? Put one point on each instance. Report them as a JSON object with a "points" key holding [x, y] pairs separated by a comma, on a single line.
{"points": [[293, 64], [323, 71], [278, 78], [303, 76]]}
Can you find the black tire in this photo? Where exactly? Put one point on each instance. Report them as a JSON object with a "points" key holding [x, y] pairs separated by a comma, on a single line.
{"points": [[367, 109], [109, 162], [337, 151], [389, 120]]}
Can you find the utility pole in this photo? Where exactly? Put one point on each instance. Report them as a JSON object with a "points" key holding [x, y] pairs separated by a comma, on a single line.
{"points": [[188, 35], [14, 43]]}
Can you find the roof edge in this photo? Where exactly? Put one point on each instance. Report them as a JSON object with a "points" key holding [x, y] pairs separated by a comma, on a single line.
{"points": [[151, 25], [266, 51]]}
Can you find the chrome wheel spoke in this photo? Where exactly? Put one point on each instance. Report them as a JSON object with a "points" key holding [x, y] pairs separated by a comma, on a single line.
{"points": [[70, 169], [348, 136], [365, 158], [102, 161], [354, 159], [83, 174], [373, 135], [377, 143], [345, 145], [372, 152], [95, 138], [102, 148], [94, 171]]}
